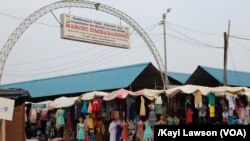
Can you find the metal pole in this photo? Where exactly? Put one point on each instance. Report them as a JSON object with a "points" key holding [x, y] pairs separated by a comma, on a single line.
{"points": [[165, 50], [226, 42]]}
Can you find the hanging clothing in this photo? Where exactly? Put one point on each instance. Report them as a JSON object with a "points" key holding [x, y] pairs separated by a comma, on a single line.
{"points": [[188, 103], [87, 137], [80, 132], [197, 99], [130, 100], [211, 99], [170, 121], [148, 133], [203, 111], [101, 109], [132, 112], [225, 116], [224, 103], [112, 131], [33, 115], [158, 99], [60, 117], [86, 126], [118, 131], [131, 127], [96, 105], [140, 130], [90, 109], [78, 107], [152, 117], [91, 123], [142, 107], [68, 120], [211, 111], [95, 122], [84, 107], [189, 116], [99, 136], [158, 103], [125, 132], [44, 114], [100, 130], [111, 106], [231, 101], [158, 109], [92, 135]]}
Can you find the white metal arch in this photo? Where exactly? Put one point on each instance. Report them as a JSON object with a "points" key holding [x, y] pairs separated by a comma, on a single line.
{"points": [[9, 44]]}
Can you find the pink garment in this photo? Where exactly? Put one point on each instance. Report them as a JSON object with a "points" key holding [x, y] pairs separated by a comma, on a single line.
{"points": [[44, 114], [90, 107], [33, 115], [69, 120]]}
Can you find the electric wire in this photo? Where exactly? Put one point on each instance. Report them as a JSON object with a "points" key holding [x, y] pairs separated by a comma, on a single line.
{"points": [[240, 45], [241, 38], [234, 67], [194, 30], [92, 61], [190, 38]]}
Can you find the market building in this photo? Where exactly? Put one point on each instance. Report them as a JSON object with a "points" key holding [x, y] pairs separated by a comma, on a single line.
{"points": [[212, 77]]}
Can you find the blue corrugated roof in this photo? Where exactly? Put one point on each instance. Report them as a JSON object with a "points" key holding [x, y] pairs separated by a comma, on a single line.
{"points": [[181, 77], [234, 78], [114, 78]]}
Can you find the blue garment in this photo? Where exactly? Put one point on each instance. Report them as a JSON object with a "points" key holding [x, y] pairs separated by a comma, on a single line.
{"points": [[84, 107], [60, 117], [148, 133], [118, 132], [80, 134], [92, 135]]}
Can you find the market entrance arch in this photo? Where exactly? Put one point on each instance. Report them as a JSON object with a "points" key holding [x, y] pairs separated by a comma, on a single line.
{"points": [[9, 44]]}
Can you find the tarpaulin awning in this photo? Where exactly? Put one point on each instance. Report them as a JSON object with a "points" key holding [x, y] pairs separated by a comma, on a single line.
{"points": [[92, 95], [149, 93], [189, 89], [62, 102], [121, 94], [232, 90]]}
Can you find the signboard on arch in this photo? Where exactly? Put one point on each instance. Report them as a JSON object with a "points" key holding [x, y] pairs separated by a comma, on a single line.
{"points": [[93, 31]]}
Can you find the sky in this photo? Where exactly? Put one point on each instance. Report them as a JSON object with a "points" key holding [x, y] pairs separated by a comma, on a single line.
{"points": [[194, 37]]}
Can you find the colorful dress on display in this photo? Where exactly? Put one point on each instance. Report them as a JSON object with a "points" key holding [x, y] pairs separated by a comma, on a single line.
{"points": [[189, 116], [90, 123], [78, 107], [125, 132], [118, 131], [95, 106], [112, 131], [60, 117], [33, 115], [158, 103], [44, 114], [152, 116], [140, 130], [148, 133], [69, 120], [90, 108], [142, 107], [84, 107], [80, 134]]}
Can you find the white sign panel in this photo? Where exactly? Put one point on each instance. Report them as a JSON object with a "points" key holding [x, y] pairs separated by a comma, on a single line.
{"points": [[93, 31], [6, 108]]}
